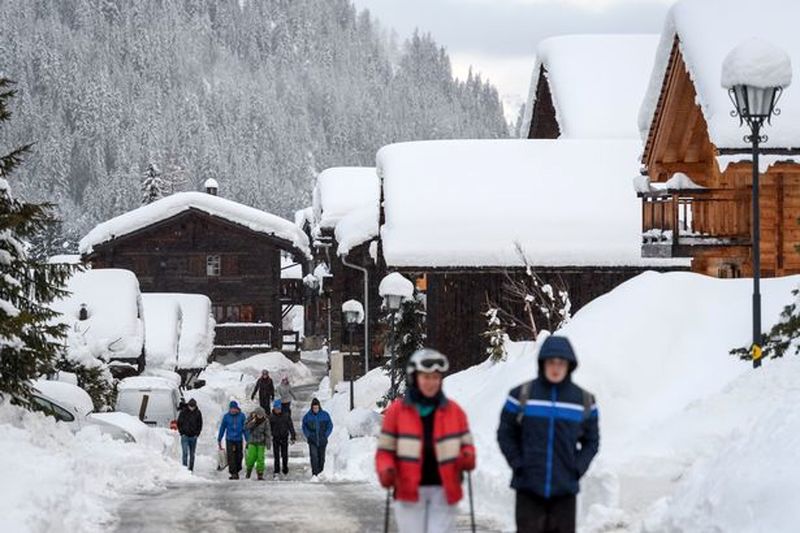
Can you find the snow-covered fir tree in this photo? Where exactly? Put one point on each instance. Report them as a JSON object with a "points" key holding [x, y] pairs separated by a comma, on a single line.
{"points": [[495, 335], [152, 185], [29, 336], [405, 334]]}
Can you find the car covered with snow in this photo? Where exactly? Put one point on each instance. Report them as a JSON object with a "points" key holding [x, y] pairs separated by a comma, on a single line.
{"points": [[153, 400], [72, 405], [104, 315]]}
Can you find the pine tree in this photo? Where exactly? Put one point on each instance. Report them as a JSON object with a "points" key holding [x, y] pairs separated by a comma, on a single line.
{"points": [[29, 335], [152, 185], [495, 335], [405, 335]]}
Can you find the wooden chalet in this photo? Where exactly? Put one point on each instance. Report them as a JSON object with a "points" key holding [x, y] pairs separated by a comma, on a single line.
{"points": [[194, 242], [342, 225], [565, 202], [697, 203]]}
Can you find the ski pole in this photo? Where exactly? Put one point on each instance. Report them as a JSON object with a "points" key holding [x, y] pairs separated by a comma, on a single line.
{"points": [[386, 514], [471, 507]]}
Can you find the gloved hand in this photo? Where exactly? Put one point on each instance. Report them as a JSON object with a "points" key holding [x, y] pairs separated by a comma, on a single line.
{"points": [[387, 477], [220, 446], [466, 460]]}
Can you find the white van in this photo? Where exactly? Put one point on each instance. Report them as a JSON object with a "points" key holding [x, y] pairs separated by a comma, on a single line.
{"points": [[153, 400]]}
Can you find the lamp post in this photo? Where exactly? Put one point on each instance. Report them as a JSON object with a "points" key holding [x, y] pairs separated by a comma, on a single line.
{"points": [[353, 313], [394, 288], [754, 93]]}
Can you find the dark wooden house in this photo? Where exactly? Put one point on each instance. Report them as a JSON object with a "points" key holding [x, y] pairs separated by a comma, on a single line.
{"points": [[697, 203], [200, 243]]}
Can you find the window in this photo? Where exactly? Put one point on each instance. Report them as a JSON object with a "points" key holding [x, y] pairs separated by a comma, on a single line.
{"points": [[219, 313], [729, 270], [246, 313], [213, 265], [49, 408], [233, 314]]}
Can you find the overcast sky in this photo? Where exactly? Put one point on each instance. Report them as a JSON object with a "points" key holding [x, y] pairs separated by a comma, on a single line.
{"points": [[498, 37]]}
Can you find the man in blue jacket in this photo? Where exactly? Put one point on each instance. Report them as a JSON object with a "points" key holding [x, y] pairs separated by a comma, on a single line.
{"points": [[549, 435], [233, 429], [317, 427]]}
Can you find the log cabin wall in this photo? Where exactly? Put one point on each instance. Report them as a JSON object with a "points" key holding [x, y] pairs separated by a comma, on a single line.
{"points": [[173, 256], [678, 141], [456, 302], [544, 124]]}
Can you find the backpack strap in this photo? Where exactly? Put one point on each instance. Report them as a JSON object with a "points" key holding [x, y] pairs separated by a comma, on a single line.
{"points": [[588, 402], [524, 393]]}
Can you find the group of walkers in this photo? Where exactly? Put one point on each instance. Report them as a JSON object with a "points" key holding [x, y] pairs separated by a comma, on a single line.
{"points": [[248, 438], [548, 434]]}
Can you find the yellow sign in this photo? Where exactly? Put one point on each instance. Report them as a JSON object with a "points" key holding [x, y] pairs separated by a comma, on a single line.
{"points": [[757, 352]]}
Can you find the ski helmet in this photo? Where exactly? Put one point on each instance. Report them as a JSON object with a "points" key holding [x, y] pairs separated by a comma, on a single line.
{"points": [[427, 360]]}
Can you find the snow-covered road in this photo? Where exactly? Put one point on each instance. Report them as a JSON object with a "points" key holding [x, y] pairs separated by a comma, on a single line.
{"points": [[294, 504]]}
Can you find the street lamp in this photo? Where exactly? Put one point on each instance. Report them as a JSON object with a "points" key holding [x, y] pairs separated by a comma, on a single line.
{"points": [[353, 313], [755, 74], [395, 288]]}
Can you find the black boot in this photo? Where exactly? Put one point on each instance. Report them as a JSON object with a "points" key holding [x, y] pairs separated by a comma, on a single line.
{"points": [[249, 473]]}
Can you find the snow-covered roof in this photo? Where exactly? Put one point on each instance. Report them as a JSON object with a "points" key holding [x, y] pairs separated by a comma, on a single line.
{"points": [[707, 31], [596, 81], [356, 228], [342, 190], [146, 215], [146, 382], [197, 328], [114, 328], [465, 203]]}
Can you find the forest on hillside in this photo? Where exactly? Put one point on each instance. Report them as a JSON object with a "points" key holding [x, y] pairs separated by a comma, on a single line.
{"points": [[259, 94]]}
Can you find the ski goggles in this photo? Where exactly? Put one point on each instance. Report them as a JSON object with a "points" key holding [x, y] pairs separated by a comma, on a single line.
{"points": [[437, 364]]}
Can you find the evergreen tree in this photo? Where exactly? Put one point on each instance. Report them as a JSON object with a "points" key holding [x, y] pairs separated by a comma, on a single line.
{"points": [[152, 185], [29, 335], [404, 336], [495, 335]]}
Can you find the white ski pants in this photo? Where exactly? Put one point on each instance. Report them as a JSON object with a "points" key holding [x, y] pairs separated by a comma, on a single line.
{"points": [[431, 514]]}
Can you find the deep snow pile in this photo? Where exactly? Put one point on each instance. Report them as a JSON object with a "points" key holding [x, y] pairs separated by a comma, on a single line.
{"points": [[53, 480], [162, 320], [684, 425]]}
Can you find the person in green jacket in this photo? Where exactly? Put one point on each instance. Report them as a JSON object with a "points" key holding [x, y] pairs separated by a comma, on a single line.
{"points": [[260, 436]]}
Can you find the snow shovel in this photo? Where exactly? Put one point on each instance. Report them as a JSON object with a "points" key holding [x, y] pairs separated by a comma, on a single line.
{"points": [[386, 514], [471, 506]]}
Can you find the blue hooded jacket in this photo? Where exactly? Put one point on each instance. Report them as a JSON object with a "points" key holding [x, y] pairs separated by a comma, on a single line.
{"points": [[553, 445], [317, 427], [232, 426]]}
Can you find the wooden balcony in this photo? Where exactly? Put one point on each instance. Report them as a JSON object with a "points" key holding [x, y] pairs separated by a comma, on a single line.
{"points": [[683, 223], [292, 291], [244, 335]]}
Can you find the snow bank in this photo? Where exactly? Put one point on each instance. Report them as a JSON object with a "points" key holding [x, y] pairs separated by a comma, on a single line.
{"points": [[56, 481], [596, 83], [707, 31], [567, 202], [114, 328], [165, 208], [342, 190], [356, 228], [162, 321], [279, 366], [756, 63]]}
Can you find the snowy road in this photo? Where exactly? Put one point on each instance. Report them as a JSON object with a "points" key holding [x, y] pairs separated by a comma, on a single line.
{"points": [[294, 504]]}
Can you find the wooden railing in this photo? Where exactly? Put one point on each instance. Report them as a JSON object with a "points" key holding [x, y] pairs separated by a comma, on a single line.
{"points": [[292, 291], [243, 334]]}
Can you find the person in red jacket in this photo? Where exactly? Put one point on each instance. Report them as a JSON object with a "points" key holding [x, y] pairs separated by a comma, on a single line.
{"points": [[424, 448]]}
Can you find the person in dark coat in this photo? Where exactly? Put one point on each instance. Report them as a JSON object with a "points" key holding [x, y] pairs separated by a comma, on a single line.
{"points": [[549, 435], [265, 389], [317, 427], [190, 424], [233, 429], [282, 429]]}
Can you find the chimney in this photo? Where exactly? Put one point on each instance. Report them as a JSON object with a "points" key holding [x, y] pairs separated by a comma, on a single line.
{"points": [[212, 187]]}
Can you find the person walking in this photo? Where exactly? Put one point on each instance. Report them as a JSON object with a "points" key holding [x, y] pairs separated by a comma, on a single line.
{"points": [[190, 424], [282, 429], [549, 435], [317, 427], [265, 389], [286, 395], [258, 429], [424, 448], [233, 429]]}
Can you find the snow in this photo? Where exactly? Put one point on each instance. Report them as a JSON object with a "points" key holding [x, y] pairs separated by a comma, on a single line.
{"points": [[596, 82], [342, 190], [642, 185], [114, 329], [146, 382], [396, 284], [356, 228], [66, 393], [705, 41], [681, 182], [279, 366], [65, 259], [211, 183], [165, 208], [290, 269], [197, 328], [756, 63], [162, 322], [566, 202], [354, 306], [56, 481]]}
